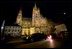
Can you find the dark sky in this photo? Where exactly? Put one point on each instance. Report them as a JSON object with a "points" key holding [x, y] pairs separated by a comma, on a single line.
{"points": [[51, 9]]}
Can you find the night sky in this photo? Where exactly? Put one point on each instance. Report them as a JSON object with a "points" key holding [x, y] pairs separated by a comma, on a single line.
{"points": [[52, 9]]}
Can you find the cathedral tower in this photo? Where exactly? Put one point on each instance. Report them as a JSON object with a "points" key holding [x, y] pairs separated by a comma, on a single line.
{"points": [[35, 16], [19, 18]]}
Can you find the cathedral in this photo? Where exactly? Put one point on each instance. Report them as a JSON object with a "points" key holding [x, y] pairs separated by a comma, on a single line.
{"points": [[36, 24]]}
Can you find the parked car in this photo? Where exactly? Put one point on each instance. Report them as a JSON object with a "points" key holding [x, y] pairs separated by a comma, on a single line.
{"points": [[37, 36]]}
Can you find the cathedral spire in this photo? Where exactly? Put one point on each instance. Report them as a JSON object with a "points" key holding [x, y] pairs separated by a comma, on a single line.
{"points": [[35, 15], [19, 17], [20, 12], [35, 6]]}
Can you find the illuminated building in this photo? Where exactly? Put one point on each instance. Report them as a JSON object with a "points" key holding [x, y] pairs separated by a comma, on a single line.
{"points": [[29, 26], [61, 27], [14, 30], [36, 24]]}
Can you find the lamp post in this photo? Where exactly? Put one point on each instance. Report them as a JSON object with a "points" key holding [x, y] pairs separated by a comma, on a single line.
{"points": [[2, 28]]}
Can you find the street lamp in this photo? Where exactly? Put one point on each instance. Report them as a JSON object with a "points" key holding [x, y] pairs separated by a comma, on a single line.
{"points": [[64, 13], [2, 28]]}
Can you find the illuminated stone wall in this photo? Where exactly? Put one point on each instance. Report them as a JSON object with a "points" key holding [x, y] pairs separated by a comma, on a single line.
{"points": [[26, 22], [13, 30], [61, 27]]}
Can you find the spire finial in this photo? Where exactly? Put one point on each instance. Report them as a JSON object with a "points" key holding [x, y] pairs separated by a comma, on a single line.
{"points": [[35, 6]]}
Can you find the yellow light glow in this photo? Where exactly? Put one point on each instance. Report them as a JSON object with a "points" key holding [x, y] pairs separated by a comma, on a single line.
{"points": [[22, 31], [25, 31], [32, 30]]}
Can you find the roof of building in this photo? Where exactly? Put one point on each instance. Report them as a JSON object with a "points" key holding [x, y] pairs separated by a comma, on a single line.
{"points": [[27, 19], [14, 24]]}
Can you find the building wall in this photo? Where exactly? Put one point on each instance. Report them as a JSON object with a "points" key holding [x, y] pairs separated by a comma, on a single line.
{"points": [[15, 30], [28, 30], [61, 27]]}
